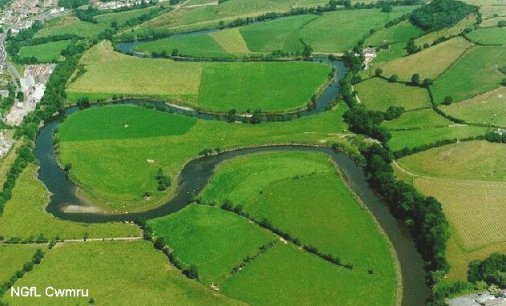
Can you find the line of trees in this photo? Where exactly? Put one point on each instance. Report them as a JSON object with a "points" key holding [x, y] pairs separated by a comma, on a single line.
{"points": [[27, 267], [491, 270]]}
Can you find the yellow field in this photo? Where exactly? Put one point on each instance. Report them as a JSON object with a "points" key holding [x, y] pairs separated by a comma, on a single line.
{"points": [[115, 73], [429, 63], [447, 32], [231, 40], [492, 22], [490, 11]]}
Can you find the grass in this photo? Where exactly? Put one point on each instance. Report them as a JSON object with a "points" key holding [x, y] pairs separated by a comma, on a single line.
{"points": [[378, 94], [492, 22], [282, 187], [14, 256], [349, 27], [109, 73], [112, 271], [231, 40], [118, 158], [265, 86], [488, 36], [71, 26], [401, 32], [474, 73], [279, 34], [458, 28], [440, 56], [487, 108], [419, 119], [293, 277], [202, 45], [419, 137], [491, 10], [7, 161], [24, 216], [48, 52], [121, 18], [210, 238]]}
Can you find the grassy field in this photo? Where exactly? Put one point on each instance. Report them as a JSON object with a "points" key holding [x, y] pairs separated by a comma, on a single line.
{"points": [[280, 186], [7, 161], [266, 86], [231, 40], [121, 18], [13, 256], [293, 277], [440, 56], [492, 10], [429, 38], [415, 138], [378, 94], [112, 271], [72, 26], [420, 119], [24, 216], [350, 27], [487, 108], [489, 36], [118, 158], [492, 22], [474, 73], [48, 52], [212, 239], [401, 32], [109, 73]]}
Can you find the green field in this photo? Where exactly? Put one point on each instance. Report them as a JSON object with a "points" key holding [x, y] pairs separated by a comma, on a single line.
{"points": [[117, 157], [112, 272], [428, 63], [266, 86], [474, 73], [212, 239], [492, 22], [13, 256], [431, 37], [489, 11], [489, 36], [48, 52], [349, 27], [71, 26], [378, 94], [419, 119], [401, 32], [25, 216], [488, 108], [121, 18], [419, 137]]}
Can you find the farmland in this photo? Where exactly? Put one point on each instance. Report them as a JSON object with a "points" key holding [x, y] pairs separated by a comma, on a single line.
{"points": [[204, 85], [71, 26], [125, 267], [419, 119], [489, 36], [16, 256], [119, 156], [48, 52], [401, 32], [391, 94]]}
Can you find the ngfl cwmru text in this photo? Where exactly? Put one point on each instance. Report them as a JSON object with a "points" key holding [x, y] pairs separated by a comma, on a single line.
{"points": [[48, 292]]}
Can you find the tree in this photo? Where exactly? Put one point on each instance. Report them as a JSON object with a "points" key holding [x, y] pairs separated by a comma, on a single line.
{"points": [[159, 243], [386, 8], [20, 96], [427, 82], [393, 78], [191, 272], [307, 50], [411, 47], [447, 100], [415, 79], [378, 72], [503, 82], [333, 5]]}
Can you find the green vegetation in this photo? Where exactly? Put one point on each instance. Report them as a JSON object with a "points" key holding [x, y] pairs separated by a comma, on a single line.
{"points": [[419, 119], [125, 267], [429, 63], [440, 14], [489, 36], [487, 108], [474, 73], [48, 52], [13, 256], [210, 238], [491, 270], [122, 18], [25, 216], [378, 94], [401, 32], [118, 157], [71, 26], [435, 37]]}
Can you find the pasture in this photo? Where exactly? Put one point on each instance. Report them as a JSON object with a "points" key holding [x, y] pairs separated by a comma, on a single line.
{"points": [[379, 94], [401, 32], [121, 18], [112, 271], [117, 157], [488, 36], [428, 63], [281, 187], [210, 238], [492, 22], [44, 53], [458, 28], [492, 10], [419, 119], [487, 108], [25, 216], [71, 26], [13, 256], [475, 73]]}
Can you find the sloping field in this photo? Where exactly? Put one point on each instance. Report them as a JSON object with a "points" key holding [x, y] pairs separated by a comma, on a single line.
{"points": [[419, 119], [419, 137], [491, 10], [112, 272], [474, 73], [108, 73], [348, 28], [492, 22], [13, 256], [401, 32], [429, 38], [231, 41], [488, 36], [48, 52], [71, 26], [428, 63], [378, 94], [488, 108], [122, 17]]}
